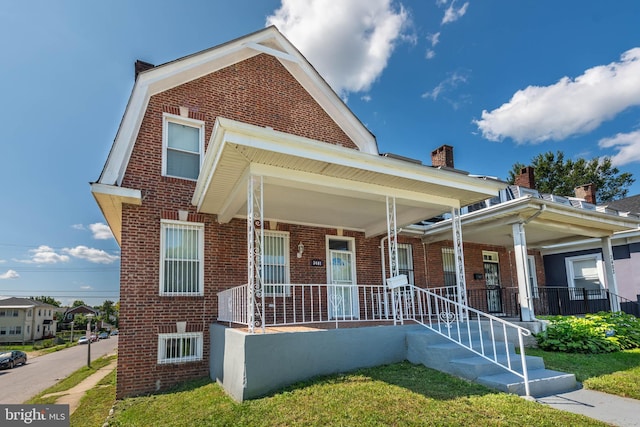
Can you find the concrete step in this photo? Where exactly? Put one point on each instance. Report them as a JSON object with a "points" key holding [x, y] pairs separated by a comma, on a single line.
{"points": [[542, 382], [477, 366], [434, 351]]}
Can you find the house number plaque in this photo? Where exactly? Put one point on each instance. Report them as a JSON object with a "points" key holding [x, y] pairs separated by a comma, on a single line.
{"points": [[317, 263]]}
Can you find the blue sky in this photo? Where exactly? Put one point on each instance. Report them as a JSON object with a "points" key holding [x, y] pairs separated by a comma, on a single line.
{"points": [[501, 81]]}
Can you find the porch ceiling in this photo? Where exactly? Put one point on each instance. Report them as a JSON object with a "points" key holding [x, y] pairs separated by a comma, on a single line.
{"points": [[546, 222], [314, 183]]}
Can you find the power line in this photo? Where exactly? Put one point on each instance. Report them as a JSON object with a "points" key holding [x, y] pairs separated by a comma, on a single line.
{"points": [[60, 270]]}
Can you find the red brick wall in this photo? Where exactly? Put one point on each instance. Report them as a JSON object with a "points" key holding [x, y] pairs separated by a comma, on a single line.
{"points": [[257, 91], [474, 263]]}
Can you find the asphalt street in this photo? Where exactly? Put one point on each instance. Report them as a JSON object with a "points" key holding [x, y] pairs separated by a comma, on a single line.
{"points": [[23, 382]]}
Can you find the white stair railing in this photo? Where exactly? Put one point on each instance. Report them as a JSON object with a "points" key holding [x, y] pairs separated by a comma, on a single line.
{"points": [[481, 333]]}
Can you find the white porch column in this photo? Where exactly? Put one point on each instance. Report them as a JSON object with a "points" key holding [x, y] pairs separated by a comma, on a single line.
{"points": [[392, 237], [522, 269], [610, 272], [255, 257], [461, 281], [394, 268]]}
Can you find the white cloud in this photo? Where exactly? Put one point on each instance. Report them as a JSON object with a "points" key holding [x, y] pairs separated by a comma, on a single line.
{"points": [[348, 42], [86, 287], [453, 81], [101, 231], [452, 14], [97, 256], [434, 39], [430, 54], [628, 146], [44, 255], [10, 274], [568, 107], [78, 227], [366, 98]]}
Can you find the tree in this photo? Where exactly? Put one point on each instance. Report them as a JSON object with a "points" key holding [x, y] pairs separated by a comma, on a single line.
{"points": [[47, 300], [77, 303], [555, 175], [107, 310]]}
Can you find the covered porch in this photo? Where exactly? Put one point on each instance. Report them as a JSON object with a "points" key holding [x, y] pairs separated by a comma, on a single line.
{"points": [[531, 221], [268, 178]]}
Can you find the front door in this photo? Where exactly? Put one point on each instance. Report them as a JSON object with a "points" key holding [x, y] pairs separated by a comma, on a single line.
{"points": [[343, 293], [492, 277]]}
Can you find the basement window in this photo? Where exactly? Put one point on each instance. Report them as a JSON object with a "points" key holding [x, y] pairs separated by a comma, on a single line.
{"points": [[180, 347]]}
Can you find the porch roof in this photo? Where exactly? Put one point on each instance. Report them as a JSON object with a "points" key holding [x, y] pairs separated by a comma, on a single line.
{"points": [[315, 183], [547, 223]]}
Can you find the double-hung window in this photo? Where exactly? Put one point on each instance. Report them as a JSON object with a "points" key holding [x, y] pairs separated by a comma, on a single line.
{"points": [[585, 275], [181, 258], [276, 263], [182, 146], [180, 347]]}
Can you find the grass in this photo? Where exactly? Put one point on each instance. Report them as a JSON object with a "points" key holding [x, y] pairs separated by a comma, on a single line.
{"points": [[96, 404], [399, 394], [615, 373]]}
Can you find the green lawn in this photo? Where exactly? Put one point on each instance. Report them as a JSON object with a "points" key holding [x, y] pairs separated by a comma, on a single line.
{"points": [[400, 394], [614, 373]]}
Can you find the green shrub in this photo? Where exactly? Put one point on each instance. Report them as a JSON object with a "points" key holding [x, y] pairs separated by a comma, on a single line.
{"points": [[603, 332]]}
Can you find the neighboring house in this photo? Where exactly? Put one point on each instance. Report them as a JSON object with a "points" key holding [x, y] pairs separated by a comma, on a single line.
{"points": [[243, 192], [506, 237], [24, 320], [583, 261], [70, 313]]}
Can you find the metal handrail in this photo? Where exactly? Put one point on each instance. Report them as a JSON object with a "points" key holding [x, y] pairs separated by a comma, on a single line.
{"points": [[456, 322]]}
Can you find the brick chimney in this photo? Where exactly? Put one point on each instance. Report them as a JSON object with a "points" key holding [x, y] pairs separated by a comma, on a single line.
{"points": [[586, 192], [442, 157], [141, 66], [526, 178]]}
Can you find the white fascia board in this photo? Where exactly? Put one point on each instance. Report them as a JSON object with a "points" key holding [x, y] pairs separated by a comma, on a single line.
{"points": [[126, 195], [619, 238], [271, 140], [270, 51], [320, 90], [120, 153], [209, 164]]}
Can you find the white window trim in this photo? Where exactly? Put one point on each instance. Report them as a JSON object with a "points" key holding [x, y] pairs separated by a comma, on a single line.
{"points": [[287, 244], [533, 286], [164, 223], [162, 342], [199, 124], [409, 248], [571, 274]]}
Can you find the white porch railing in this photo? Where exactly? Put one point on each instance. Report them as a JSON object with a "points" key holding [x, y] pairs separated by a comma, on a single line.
{"points": [[296, 304]]}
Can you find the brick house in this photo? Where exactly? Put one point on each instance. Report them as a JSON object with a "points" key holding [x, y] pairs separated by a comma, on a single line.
{"points": [[244, 192]]}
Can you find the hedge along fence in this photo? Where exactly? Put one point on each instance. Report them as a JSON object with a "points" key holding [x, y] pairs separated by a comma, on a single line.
{"points": [[603, 332]]}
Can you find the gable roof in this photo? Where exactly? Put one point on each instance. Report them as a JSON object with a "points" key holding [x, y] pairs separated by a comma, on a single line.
{"points": [[16, 302], [628, 204], [268, 41]]}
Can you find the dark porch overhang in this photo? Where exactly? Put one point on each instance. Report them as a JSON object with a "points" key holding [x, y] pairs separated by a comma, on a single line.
{"points": [[315, 183]]}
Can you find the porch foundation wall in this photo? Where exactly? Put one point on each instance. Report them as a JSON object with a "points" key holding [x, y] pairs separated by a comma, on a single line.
{"points": [[250, 366]]}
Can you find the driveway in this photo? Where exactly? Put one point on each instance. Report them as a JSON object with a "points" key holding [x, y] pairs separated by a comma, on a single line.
{"points": [[23, 382]]}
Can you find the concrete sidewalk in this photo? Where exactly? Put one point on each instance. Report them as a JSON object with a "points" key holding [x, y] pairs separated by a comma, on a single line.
{"points": [[73, 396], [612, 409]]}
